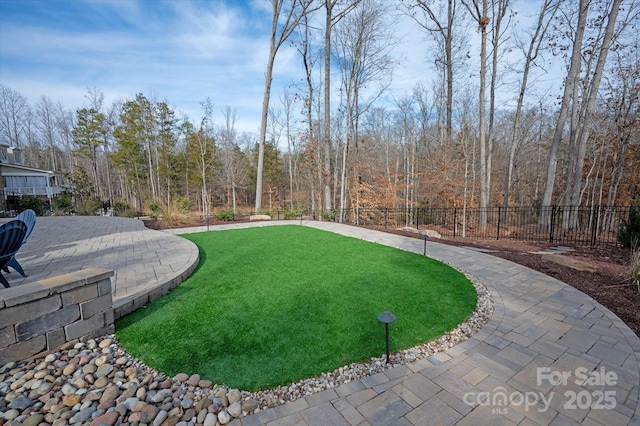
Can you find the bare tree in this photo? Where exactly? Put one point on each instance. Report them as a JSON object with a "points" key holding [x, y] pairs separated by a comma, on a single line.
{"points": [[582, 97], [287, 105], [95, 97], [364, 47], [545, 16], [498, 39], [45, 123], [479, 13], [446, 30], [14, 116], [284, 21], [571, 80], [569, 83], [575, 182], [406, 114], [65, 122], [624, 100], [232, 157], [331, 19], [308, 60]]}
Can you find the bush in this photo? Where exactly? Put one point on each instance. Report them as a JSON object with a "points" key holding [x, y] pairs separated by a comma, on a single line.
{"points": [[87, 206], [225, 215], [176, 213], [121, 208], [328, 216], [629, 234], [293, 213], [63, 203], [38, 204], [634, 270], [155, 209], [183, 204]]}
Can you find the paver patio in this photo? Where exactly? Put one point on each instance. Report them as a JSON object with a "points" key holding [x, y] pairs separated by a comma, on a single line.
{"points": [[510, 372]]}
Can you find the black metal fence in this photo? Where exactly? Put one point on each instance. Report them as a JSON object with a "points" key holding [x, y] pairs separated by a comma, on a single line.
{"points": [[583, 225]]}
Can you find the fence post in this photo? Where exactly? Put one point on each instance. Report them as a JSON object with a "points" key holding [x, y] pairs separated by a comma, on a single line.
{"points": [[386, 217], [455, 222], [553, 220], [594, 224], [418, 218], [499, 217]]}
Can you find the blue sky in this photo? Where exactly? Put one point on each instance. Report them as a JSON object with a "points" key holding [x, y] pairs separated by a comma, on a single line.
{"points": [[178, 51]]}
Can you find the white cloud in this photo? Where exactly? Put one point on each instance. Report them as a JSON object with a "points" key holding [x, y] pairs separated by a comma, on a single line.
{"points": [[181, 51]]}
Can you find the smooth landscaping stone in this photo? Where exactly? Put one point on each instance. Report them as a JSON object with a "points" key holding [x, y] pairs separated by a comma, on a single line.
{"points": [[108, 419], [103, 370], [83, 415], [235, 409], [21, 403], [210, 420], [33, 420], [194, 380], [234, 396], [181, 377], [160, 417], [148, 413], [224, 417]]}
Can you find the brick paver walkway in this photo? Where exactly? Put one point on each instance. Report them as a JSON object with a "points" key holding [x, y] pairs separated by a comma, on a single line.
{"points": [[143, 260], [549, 355]]}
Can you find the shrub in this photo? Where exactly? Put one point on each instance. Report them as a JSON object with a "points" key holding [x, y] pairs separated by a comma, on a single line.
{"points": [[155, 209], [634, 271], [225, 215], [122, 208], [183, 204], [87, 206], [177, 212], [33, 202], [293, 213], [629, 234], [38, 204], [63, 203], [328, 215]]}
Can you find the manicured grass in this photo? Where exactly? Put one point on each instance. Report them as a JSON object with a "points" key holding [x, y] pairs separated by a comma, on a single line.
{"points": [[276, 304]]}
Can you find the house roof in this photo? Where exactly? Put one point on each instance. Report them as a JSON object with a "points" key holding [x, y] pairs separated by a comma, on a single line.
{"points": [[15, 169]]}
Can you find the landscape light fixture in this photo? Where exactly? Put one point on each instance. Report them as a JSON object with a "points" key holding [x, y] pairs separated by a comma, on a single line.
{"points": [[425, 237], [386, 318]]}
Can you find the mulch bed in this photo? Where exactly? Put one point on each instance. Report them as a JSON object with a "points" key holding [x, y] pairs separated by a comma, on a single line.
{"points": [[606, 285]]}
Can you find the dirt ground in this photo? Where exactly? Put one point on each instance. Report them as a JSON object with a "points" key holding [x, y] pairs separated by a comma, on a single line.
{"points": [[606, 284]]}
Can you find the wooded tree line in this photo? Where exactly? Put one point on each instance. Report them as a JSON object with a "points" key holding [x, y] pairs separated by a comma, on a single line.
{"points": [[486, 131]]}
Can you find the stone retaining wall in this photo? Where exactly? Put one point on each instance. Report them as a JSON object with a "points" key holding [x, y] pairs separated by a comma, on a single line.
{"points": [[43, 315]]}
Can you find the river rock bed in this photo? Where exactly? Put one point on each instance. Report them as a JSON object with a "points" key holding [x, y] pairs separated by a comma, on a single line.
{"points": [[97, 383]]}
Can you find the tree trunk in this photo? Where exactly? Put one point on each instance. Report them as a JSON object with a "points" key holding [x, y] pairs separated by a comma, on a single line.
{"points": [[593, 93], [483, 21], [570, 81], [326, 166], [297, 10], [263, 127], [548, 9]]}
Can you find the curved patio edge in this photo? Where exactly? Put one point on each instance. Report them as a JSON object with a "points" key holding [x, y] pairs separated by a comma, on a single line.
{"points": [[140, 297], [146, 263]]}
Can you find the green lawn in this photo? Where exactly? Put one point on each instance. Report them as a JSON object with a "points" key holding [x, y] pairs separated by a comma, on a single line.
{"points": [[276, 304]]}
